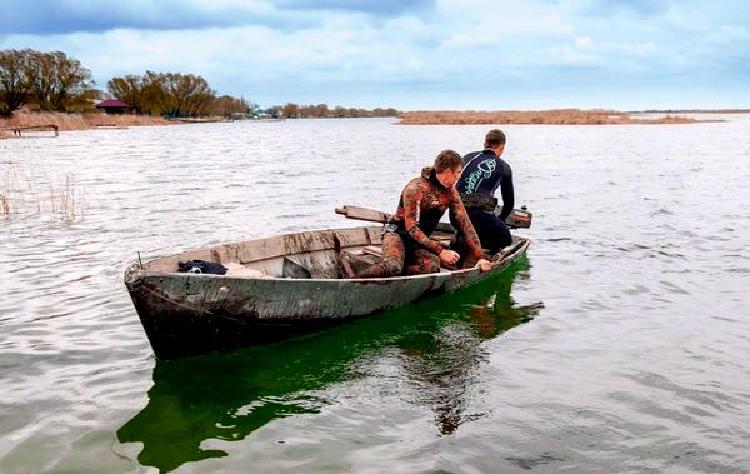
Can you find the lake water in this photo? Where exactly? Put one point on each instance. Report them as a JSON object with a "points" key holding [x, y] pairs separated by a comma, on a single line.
{"points": [[621, 344]]}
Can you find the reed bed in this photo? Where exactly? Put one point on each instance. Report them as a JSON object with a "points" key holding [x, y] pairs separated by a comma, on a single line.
{"points": [[78, 121], [542, 117], [28, 191]]}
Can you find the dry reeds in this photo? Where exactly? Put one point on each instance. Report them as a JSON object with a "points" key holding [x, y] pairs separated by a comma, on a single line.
{"points": [[63, 121], [20, 195], [4, 206], [94, 120], [71, 209], [542, 117]]}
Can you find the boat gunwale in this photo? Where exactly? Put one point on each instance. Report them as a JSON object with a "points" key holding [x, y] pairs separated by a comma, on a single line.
{"points": [[132, 274]]}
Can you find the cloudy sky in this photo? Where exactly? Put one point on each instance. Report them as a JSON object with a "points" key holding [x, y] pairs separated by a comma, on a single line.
{"points": [[413, 54]]}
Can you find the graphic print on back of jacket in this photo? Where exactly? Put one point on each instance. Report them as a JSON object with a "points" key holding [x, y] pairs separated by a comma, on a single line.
{"points": [[483, 173]]}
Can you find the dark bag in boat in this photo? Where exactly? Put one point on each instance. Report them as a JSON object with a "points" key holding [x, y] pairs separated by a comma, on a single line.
{"points": [[201, 266]]}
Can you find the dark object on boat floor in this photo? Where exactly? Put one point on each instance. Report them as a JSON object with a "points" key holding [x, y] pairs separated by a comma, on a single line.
{"points": [[201, 267]]}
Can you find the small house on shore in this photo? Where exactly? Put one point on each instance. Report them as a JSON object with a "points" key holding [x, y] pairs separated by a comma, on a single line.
{"points": [[115, 107]]}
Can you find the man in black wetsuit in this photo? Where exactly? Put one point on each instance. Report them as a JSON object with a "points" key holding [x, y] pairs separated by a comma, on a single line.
{"points": [[483, 173]]}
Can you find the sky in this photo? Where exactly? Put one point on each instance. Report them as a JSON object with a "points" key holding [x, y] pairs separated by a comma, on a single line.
{"points": [[412, 54]]}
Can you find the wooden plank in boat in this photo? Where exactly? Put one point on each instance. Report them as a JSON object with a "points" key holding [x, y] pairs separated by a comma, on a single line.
{"points": [[304, 242], [372, 250]]}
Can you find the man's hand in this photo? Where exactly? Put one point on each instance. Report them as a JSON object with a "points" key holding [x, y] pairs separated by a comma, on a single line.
{"points": [[484, 265], [449, 257]]}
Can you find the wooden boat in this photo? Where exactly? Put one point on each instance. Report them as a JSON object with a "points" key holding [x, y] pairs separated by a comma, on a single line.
{"points": [[277, 287]]}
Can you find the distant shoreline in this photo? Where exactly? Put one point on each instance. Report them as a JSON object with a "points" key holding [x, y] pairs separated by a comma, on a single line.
{"points": [[692, 111], [70, 121], [90, 121], [543, 117]]}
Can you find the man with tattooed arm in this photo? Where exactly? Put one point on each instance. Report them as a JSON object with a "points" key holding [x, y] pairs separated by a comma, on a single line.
{"points": [[407, 247]]}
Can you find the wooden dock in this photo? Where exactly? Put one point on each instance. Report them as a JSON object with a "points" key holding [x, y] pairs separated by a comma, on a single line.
{"points": [[17, 131], [110, 126]]}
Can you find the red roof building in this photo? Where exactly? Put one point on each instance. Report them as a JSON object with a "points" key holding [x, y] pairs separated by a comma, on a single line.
{"points": [[115, 106]]}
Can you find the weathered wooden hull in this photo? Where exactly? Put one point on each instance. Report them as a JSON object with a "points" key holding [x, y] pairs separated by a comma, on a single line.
{"points": [[186, 314]]}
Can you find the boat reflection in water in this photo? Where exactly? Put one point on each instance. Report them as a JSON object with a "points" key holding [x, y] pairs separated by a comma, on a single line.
{"points": [[228, 396]]}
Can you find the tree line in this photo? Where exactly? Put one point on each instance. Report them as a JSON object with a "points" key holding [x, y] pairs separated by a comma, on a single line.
{"points": [[52, 81], [172, 95], [291, 110]]}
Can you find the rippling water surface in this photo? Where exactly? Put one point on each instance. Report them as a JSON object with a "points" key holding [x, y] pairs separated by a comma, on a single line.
{"points": [[621, 344]]}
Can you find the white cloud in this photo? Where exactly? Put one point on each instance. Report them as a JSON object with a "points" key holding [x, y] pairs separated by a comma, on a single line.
{"points": [[460, 48], [584, 42]]}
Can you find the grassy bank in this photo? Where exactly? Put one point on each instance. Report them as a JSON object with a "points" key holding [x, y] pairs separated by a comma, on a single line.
{"points": [[77, 121], [541, 117]]}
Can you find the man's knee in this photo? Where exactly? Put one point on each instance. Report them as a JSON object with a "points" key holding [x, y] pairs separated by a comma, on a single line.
{"points": [[424, 262], [393, 255], [468, 261], [496, 235], [432, 263], [393, 267], [503, 235]]}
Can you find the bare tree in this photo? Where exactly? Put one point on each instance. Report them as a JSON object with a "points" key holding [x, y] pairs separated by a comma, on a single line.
{"points": [[55, 81], [128, 89], [13, 80], [290, 110], [154, 95], [174, 94], [227, 105], [186, 94], [319, 110], [72, 82]]}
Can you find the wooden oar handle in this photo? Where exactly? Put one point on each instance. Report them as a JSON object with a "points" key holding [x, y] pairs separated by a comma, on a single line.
{"points": [[363, 214]]}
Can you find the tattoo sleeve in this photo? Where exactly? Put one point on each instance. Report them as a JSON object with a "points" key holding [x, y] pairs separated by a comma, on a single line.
{"points": [[412, 198], [464, 223]]}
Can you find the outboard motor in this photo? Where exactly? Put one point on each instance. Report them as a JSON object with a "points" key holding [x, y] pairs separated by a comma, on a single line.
{"points": [[518, 218]]}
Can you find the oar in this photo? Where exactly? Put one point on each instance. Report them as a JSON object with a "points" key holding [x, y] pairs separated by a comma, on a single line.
{"points": [[371, 215], [518, 219]]}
